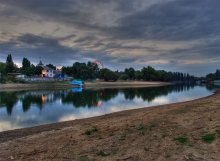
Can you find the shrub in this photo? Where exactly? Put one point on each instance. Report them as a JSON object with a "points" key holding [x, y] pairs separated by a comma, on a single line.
{"points": [[181, 139], [91, 131], [209, 138]]}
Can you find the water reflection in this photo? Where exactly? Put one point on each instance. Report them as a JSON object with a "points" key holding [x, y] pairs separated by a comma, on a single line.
{"points": [[30, 108]]}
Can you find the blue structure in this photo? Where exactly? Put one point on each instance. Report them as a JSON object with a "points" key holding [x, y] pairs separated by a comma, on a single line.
{"points": [[77, 90], [78, 82]]}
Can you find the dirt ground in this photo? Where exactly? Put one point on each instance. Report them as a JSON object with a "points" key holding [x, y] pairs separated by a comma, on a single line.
{"points": [[187, 131]]}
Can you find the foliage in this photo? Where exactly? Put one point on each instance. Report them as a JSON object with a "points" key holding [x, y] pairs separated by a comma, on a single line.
{"points": [[29, 69], [130, 72], [213, 76], [108, 75], [209, 138], [82, 70], [2, 67], [91, 131], [10, 66], [91, 71], [181, 139], [51, 66], [25, 64]]}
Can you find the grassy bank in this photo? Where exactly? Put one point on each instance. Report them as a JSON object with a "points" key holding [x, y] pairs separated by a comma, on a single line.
{"points": [[182, 131]]}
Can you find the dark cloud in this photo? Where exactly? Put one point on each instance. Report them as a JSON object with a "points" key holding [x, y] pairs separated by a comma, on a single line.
{"points": [[50, 50], [175, 20], [166, 34]]}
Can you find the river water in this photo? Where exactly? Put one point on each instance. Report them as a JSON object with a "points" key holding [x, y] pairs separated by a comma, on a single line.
{"points": [[31, 108]]}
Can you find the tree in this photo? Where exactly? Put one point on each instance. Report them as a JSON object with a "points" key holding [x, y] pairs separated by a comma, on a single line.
{"points": [[130, 72], [2, 67], [149, 73], [38, 70], [10, 67], [138, 75], [123, 77], [108, 75], [25, 64], [51, 66]]}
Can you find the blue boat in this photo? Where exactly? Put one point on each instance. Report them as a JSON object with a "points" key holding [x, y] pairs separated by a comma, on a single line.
{"points": [[77, 90], [77, 82]]}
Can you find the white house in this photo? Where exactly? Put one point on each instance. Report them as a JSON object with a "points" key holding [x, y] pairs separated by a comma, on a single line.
{"points": [[47, 72]]}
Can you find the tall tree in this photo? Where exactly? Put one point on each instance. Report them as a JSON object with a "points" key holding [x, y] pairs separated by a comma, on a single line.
{"points": [[130, 72], [26, 64], [10, 67], [2, 67]]}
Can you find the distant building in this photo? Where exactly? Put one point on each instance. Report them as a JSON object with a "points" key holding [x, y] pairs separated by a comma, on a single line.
{"points": [[40, 63], [49, 72]]}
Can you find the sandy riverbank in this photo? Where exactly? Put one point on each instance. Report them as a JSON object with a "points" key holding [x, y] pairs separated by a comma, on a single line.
{"points": [[169, 132], [95, 84]]}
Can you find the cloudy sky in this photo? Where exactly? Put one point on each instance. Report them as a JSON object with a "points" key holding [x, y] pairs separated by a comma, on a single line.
{"points": [[176, 35]]}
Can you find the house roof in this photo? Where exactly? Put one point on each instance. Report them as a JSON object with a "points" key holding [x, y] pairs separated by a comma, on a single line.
{"points": [[46, 68]]}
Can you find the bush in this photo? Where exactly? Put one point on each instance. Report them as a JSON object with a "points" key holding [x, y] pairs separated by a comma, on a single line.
{"points": [[91, 131], [209, 138], [181, 139]]}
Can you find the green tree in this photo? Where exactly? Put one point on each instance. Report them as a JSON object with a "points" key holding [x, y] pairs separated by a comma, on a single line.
{"points": [[38, 70], [25, 64], [108, 75], [123, 77], [10, 67], [149, 73], [51, 66], [130, 72], [2, 67], [138, 75]]}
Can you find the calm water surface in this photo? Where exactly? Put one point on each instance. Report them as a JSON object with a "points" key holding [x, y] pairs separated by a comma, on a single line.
{"points": [[31, 108]]}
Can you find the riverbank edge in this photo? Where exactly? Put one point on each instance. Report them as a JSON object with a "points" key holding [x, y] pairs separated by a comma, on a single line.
{"points": [[11, 135], [88, 85]]}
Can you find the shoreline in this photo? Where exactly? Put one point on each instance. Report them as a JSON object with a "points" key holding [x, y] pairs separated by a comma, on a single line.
{"points": [[177, 119], [88, 85]]}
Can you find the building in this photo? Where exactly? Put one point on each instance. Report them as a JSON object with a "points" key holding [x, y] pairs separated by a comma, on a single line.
{"points": [[49, 72]]}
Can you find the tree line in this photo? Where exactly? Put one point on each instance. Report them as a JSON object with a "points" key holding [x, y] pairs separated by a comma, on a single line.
{"points": [[91, 71], [213, 76]]}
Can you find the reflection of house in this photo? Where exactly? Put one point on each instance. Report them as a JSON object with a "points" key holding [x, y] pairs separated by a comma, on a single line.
{"points": [[217, 82]]}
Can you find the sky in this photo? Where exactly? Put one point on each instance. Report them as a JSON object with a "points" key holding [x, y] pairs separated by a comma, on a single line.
{"points": [[174, 35]]}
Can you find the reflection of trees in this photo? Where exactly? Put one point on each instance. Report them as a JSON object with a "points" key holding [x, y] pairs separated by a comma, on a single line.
{"points": [[8, 100], [149, 94], [86, 98], [89, 98], [27, 101]]}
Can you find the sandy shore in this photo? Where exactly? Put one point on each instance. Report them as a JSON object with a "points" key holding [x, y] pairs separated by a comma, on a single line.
{"points": [[95, 84], [169, 132]]}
